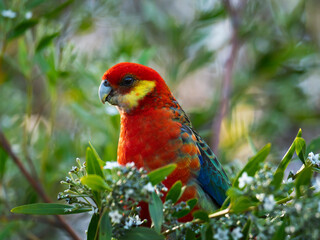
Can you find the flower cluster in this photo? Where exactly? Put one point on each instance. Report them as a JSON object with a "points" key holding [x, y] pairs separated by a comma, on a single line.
{"points": [[228, 227], [260, 205], [314, 159], [297, 212], [303, 217], [129, 187]]}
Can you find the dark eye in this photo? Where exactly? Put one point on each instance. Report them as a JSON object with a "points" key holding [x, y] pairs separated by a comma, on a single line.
{"points": [[127, 81]]}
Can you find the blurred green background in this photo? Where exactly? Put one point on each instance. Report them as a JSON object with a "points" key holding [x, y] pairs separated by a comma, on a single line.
{"points": [[54, 53]]}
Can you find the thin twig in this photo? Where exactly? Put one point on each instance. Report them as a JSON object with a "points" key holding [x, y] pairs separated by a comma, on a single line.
{"points": [[227, 76], [5, 145], [222, 213], [213, 215]]}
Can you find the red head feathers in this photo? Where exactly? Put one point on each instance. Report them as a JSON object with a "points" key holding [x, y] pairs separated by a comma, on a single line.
{"points": [[133, 87]]}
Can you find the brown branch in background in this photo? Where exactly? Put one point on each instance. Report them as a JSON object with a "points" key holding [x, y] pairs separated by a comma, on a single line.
{"points": [[227, 74], [5, 145], [25, 149]]}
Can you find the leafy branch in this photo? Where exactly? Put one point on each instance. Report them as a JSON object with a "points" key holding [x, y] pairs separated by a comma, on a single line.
{"points": [[115, 192], [5, 145]]}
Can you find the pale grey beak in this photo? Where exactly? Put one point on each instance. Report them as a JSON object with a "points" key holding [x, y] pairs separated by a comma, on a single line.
{"points": [[104, 91]]}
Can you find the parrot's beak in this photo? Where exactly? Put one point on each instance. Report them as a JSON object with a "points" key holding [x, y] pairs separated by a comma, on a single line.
{"points": [[104, 91]]}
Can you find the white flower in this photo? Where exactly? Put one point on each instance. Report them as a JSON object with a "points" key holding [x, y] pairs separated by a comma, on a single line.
{"points": [[314, 158], [290, 180], [269, 203], [136, 221], [110, 165], [317, 185], [221, 234], [128, 223], [244, 180], [290, 229], [260, 196], [130, 165], [28, 15], [8, 13], [128, 193], [236, 233], [165, 189], [115, 216], [148, 187], [298, 207]]}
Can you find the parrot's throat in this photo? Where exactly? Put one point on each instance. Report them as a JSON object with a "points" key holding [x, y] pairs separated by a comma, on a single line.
{"points": [[139, 140]]}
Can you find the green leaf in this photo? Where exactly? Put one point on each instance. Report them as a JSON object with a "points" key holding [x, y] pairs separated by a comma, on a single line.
{"points": [[175, 192], [105, 232], [303, 179], [190, 235], [95, 182], [239, 202], [32, 4], [254, 164], [242, 203], [280, 234], [300, 146], [211, 15], [191, 203], [206, 232], [141, 233], [22, 27], [93, 227], [45, 41], [58, 10], [234, 192], [158, 175], [101, 162], [278, 176], [93, 166], [156, 211], [48, 209], [246, 229], [202, 215]]}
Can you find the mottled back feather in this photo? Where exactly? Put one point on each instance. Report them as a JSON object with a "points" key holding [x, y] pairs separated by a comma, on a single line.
{"points": [[211, 176]]}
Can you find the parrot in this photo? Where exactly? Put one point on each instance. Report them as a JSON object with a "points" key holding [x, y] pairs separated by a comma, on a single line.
{"points": [[155, 131]]}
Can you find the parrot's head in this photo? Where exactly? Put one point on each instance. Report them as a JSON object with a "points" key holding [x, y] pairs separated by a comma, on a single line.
{"points": [[132, 86]]}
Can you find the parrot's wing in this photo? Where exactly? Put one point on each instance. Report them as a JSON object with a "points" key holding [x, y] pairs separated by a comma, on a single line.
{"points": [[211, 176]]}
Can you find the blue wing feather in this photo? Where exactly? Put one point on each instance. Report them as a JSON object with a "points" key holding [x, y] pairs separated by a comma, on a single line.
{"points": [[211, 177]]}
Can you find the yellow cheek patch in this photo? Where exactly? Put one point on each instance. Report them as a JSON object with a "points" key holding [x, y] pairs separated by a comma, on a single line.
{"points": [[139, 91]]}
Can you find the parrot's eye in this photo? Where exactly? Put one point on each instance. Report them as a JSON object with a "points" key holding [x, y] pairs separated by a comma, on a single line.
{"points": [[127, 81]]}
